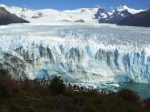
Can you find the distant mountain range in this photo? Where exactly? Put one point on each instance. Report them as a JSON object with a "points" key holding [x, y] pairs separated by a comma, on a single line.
{"points": [[139, 19], [78, 16]]}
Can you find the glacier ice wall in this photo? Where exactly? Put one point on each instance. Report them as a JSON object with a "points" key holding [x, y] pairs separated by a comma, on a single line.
{"points": [[81, 59]]}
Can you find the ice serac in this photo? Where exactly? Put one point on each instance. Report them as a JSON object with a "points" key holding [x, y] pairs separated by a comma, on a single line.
{"points": [[78, 60]]}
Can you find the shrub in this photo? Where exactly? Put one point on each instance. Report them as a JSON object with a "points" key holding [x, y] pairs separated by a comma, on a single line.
{"points": [[129, 95], [3, 72], [147, 103], [57, 85], [8, 87]]}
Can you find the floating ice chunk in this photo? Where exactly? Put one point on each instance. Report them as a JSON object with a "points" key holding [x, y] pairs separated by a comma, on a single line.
{"points": [[114, 85]]}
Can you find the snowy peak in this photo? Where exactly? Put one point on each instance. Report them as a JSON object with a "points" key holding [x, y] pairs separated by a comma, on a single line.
{"points": [[122, 8], [101, 13], [82, 10], [130, 10], [2, 5], [115, 16]]}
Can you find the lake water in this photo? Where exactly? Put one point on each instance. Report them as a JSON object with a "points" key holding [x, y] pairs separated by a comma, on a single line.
{"points": [[143, 90]]}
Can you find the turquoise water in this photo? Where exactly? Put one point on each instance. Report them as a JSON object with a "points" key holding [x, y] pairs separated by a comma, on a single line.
{"points": [[143, 90]]}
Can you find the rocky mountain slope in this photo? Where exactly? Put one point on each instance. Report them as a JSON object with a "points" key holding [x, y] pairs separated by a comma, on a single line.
{"points": [[114, 16], [8, 18], [139, 19]]}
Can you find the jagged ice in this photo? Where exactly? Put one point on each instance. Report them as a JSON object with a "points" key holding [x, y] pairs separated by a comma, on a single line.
{"points": [[79, 54]]}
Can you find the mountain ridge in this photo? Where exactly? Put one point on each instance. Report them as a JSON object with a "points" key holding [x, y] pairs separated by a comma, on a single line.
{"points": [[88, 15]]}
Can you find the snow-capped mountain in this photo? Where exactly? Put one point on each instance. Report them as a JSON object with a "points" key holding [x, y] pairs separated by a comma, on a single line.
{"points": [[115, 16], [130, 10], [101, 14], [82, 15]]}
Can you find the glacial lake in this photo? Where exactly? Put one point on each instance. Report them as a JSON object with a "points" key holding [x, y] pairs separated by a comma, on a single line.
{"points": [[143, 90]]}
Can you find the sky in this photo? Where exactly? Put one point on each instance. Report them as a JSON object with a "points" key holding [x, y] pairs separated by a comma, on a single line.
{"points": [[75, 4]]}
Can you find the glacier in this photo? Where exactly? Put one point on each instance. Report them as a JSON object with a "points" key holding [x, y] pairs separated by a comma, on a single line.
{"points": [[78, 53]]}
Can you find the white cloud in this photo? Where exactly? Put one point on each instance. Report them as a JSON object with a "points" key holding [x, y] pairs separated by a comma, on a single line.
{"points": [[100, 6]]}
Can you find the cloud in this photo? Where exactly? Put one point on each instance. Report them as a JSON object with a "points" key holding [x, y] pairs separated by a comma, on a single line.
{"points": [[100, 6]]}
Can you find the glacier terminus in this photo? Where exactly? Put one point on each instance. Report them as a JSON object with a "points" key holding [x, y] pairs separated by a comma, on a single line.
{"points": [[78, 53]]}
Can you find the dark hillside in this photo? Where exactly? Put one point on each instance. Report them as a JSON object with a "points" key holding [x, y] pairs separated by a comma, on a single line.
{"points": [[8, 18], [139, 19]]}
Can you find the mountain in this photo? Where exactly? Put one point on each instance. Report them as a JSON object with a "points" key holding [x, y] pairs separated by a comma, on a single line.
{"points": [[114, 16], [139, 19], [52, 16], [8, 18], [101, 13], [77, 16]]}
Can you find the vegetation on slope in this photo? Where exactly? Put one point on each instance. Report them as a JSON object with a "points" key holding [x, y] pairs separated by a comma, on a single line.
{"points": [[29, 96]]}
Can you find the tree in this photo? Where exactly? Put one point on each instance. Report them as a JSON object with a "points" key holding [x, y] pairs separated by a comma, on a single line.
{"points": [[57, 85]]}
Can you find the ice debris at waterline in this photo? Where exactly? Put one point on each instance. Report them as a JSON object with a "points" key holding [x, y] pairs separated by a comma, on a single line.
{"points": [[79, 54]]}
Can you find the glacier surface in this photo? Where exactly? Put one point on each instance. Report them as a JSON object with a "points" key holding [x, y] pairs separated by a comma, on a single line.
{"points": [[78, 53]]}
